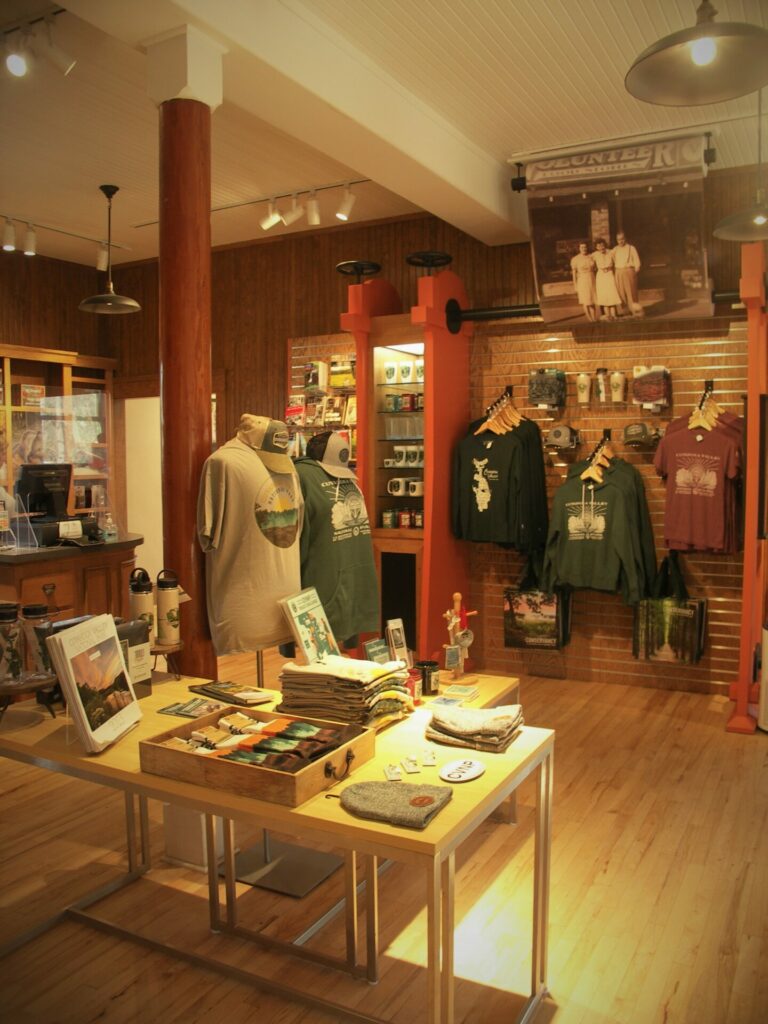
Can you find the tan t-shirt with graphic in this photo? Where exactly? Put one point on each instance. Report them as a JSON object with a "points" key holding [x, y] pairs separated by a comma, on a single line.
{"points": [[248, 524]]}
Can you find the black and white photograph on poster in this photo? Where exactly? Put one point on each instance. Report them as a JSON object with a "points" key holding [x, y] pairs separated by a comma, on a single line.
{"points": [[617, 233]]}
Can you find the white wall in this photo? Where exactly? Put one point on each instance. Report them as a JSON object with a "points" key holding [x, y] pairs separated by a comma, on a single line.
{"points": [[143, 482]]}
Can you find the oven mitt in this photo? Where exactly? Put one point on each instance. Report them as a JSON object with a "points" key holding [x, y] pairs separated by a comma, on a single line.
{"points": [[401, 803]]}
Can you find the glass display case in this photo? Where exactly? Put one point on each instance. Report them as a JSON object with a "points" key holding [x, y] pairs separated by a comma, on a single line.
{"points": [[56, 409]]}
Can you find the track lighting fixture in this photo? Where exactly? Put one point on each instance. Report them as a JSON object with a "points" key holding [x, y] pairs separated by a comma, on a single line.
{"points": [[313, 210], [347, 203], [102, 257], [30, 241], [295, 213], [19, 56], [108, 301], [271, 218], [709, 63], [61, 60], [9, 235]]}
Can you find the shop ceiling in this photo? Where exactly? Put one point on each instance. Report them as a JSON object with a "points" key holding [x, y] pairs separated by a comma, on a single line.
{"points": [[428, 100]]}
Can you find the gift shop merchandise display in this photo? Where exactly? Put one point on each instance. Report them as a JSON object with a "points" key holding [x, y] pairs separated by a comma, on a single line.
{"points": [[335, 541], [700, 457], [249, 518], [499, 487], [488, 729], [600, 534], [346, 690]]}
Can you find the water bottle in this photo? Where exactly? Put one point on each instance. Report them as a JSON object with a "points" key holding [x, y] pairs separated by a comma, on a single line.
{"points": [[141, 600], [11, 644], [168, 625]]}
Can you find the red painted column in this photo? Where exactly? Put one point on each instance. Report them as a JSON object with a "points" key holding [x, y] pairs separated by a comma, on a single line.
{"points": [[185, 357]]}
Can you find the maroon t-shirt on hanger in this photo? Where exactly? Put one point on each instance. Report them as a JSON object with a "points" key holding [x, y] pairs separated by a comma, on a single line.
{"points": [[696, 464]]}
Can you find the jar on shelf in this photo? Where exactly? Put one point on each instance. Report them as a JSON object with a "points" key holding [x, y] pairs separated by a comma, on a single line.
{"points": [[11, 643], [37, 625]]}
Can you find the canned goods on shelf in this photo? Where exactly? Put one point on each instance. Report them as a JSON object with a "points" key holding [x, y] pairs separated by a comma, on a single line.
{"points": [[404, 519], [389, 518], [418, 519]]}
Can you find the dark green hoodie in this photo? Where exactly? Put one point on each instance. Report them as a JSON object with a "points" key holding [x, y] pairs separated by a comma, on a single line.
{"points": [[590, 542], [337, 552]]}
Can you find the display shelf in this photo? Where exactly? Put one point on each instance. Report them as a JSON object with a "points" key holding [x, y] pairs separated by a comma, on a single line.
{"points": [[69, 421]]}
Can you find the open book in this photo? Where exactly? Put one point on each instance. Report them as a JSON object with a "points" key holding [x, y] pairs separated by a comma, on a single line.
{"points": [[88, 660]]}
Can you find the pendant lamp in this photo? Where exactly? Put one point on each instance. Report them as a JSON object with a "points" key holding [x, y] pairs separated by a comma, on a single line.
{"points": [[109, 302], [708, 63], [750, 225]]}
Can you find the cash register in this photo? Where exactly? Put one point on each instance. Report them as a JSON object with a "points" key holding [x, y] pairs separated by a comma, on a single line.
{"points": [[44, 490]]}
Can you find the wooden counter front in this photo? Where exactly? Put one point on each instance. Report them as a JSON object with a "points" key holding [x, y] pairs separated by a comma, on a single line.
{"points": [[86, 581]]}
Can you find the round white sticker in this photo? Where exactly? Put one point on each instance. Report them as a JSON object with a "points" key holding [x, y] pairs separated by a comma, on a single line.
{"points": [[462, 771]]}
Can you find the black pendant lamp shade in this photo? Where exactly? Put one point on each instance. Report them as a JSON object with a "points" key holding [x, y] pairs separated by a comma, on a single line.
{"points": [[750, 224], [108, 301], [708, 63]]}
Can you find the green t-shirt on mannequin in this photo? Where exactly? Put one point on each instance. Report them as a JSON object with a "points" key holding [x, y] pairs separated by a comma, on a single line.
{"points": [[335, 542]]}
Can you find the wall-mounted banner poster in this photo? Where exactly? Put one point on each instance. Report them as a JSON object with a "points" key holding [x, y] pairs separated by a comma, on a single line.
{"points": [[617, 233]]}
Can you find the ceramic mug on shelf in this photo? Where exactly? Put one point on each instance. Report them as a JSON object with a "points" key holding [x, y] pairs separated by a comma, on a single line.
{"points": [[415, 488], [389, 463], [400, 452], [419, 368], [390, 373], [406, 371], [411, 455], [399, 485]]}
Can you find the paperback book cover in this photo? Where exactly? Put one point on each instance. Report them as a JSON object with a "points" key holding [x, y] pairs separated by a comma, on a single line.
{"points": [[195, 708], [309, 624], [234, 693], [89, 663]]}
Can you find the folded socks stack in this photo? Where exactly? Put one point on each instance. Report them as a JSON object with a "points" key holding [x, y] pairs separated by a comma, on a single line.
{"points": [[489, 729]]}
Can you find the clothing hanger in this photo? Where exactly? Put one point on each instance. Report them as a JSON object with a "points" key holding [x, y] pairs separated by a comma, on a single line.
{"points": [[705, 415], [501, 415], [600, 458]]}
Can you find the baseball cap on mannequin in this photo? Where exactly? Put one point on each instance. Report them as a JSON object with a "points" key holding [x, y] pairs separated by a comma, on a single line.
{"points": [[269, 438], [331, 450]]}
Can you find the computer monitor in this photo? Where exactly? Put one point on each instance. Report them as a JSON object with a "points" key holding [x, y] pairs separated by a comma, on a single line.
{"points": [[44, 488]]}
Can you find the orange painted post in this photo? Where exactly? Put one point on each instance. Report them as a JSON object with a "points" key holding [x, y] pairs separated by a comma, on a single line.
{"points": [[446, 416], [752, 288], [185, 356]]}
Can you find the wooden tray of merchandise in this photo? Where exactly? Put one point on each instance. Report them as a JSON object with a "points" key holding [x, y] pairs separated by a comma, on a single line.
{"points": [[256, 781]]}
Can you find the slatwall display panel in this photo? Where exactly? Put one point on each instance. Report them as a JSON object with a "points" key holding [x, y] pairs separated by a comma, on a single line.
{"points": [[317, 347], [601, 644]]}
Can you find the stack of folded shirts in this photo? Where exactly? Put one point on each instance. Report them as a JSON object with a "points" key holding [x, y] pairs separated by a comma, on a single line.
{"points": [[490, 729], [346, 690]]}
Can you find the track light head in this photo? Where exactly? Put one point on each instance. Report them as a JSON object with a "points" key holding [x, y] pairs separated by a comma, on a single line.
{"points": [[58, 57], [347, 203], [295, 213], [271, 218], [9, 235], [313, 210], [30, 241], [19, 56]]}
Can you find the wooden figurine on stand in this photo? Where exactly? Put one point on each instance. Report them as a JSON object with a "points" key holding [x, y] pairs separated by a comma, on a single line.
{"points": [[459, 635]]}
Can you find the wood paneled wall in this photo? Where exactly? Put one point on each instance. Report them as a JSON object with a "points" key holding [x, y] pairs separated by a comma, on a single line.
{"points": [[601, 645], [38, 304]]}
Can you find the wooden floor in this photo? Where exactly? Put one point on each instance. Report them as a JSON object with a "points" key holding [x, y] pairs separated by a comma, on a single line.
{"points": [[659, 908]]}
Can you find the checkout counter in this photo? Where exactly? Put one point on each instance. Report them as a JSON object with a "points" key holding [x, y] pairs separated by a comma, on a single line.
{"points": [[63, 563]]}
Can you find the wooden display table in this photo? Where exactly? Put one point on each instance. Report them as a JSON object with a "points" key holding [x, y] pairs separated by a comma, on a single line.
{"points": [[74, 580], [431, 852]]}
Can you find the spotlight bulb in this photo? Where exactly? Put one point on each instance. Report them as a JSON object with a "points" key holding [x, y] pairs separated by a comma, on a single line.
{"points": [[30, 241], [313, 211], [347, 203], [17, 64], [271, 218], [703, 51], [9, 236], [760, 219], [295, 213]]}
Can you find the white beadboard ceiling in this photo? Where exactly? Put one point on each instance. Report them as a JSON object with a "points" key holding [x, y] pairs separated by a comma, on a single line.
{"points": [[430, 100]]}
